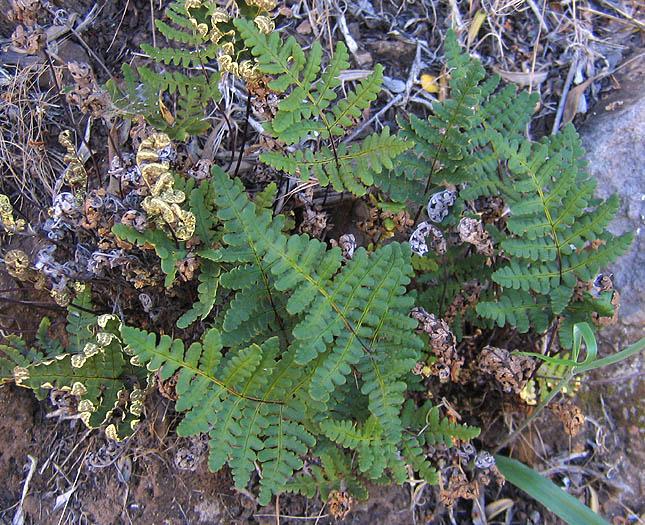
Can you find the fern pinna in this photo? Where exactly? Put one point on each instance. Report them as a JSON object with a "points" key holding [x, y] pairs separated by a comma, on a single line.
{"points": [[312, 110], [556, 235], [304, 341]]}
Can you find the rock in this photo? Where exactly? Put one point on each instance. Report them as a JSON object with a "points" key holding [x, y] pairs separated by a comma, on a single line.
{"points": [[614, 138]]}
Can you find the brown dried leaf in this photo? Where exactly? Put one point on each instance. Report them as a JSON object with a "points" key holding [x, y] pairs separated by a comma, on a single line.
{"points": [[573, 100], [521, 78]]}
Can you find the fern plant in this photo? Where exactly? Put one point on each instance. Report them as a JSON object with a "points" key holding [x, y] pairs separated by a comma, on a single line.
{"points": [[302, 339], [92, 366], [556, 235], [148, 90]]}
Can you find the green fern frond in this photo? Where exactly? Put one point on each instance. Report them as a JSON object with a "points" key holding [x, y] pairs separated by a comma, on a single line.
{"points": [[352, 168], [184, 57], [305, 111], [415, 457], [518, 308], [79, 321], [145, 88], [442, 430]]}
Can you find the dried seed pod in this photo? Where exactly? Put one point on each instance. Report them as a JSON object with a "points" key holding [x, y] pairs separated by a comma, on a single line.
{"points": [[418, 242]]}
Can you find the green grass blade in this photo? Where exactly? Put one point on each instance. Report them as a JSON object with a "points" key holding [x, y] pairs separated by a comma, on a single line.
{"points": [[615, 358], [551, 496]]}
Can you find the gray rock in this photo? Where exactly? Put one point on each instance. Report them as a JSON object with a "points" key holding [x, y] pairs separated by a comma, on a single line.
{"points": [[615, 142]]}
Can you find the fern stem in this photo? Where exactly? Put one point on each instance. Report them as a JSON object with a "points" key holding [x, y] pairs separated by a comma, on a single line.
{"points": [[34, 304], [217, 103], [244, 134]]}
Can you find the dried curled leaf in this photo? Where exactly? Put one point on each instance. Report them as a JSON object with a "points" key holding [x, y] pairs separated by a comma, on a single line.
{"points": [[264, 24], [87, 94], [162, 205], [267, 5], [442, 343], [457, 487], [187, 267], [7, 221], [347, 243], [571, 416], [467, 298], [29, 41], [472, 231], [511, 370], [75, 176], [418, 240], [340, 504], [25, 11], [313, 222], [439, 205], [18, 265]]}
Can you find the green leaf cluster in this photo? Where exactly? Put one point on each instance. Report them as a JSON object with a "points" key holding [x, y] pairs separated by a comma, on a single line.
{"points": [[302, 340]]}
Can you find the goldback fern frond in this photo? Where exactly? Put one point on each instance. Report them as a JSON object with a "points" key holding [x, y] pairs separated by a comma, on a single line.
{"points": [[555, 235], [258, 394], [311, 107]]}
